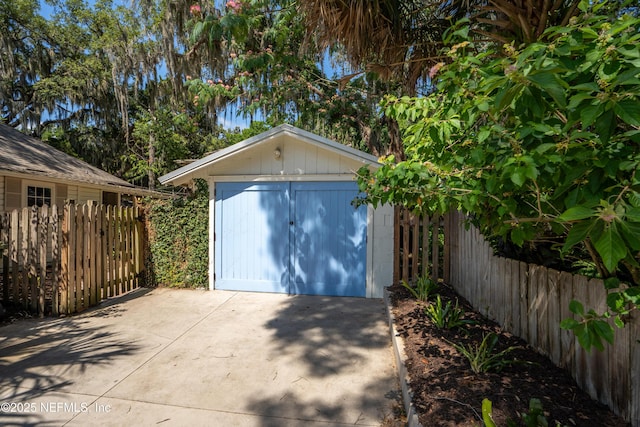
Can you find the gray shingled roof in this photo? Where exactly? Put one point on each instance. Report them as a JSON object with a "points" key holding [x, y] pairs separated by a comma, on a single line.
{"points": [[23, 154]]}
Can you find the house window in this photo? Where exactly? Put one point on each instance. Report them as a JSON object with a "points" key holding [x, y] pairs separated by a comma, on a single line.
{"points": [[38, 196]]}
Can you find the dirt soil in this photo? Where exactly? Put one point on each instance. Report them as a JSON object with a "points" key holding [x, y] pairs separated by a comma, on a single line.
{"points": [[446, 392]]}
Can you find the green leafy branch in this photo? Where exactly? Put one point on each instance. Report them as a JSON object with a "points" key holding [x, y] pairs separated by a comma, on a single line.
{"points": [[536, 143]]}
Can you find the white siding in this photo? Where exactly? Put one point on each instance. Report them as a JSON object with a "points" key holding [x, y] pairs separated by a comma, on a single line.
{"points": [[72, 193], [296, 158], [86, 195], [379, 250]]}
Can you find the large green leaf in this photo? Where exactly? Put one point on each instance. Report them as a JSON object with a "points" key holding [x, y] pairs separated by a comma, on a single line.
{"points": [[549, 81], [629, 111], [578, 233], [518, 177], [629, 51], [576, 213], [631, 233], [605, 125], [576, 307], [611, 247], [633, 214], [589, 114], [604, 330]]}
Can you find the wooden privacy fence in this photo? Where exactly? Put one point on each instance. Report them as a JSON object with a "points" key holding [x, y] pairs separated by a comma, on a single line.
{"points": [[528, 300], [418, 247], [64, 261]]}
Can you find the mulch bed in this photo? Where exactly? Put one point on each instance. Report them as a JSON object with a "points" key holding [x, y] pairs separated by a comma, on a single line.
{"points": [[446, 392]]}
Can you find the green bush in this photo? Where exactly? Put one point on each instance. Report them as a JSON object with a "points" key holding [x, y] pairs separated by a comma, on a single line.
{"points": [[178, 239], [537, 144]]}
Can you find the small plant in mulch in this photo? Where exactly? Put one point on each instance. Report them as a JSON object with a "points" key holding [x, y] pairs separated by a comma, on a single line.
{"points": [[423, 288], [447, 392], [534, 418], [446, 316], [482, 356]]}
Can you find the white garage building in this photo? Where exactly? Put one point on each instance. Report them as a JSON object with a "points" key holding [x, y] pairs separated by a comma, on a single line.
{"points": [[281, 217]]}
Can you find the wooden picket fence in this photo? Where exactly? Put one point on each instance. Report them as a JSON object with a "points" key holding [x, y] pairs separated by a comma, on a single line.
{"points": [[63, 261], [528, 300]]}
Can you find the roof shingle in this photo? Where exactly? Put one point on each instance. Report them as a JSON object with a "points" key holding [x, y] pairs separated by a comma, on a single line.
{"points": [[20, 153]]}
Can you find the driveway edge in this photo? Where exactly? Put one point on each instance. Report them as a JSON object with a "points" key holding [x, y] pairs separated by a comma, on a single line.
{"points": [[401, 357]]}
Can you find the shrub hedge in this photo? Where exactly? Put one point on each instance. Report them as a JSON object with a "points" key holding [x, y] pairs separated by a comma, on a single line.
{"points": [[178, 239]]}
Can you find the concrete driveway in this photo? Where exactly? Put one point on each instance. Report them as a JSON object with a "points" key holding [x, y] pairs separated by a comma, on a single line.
{"points": [[180, 357]]}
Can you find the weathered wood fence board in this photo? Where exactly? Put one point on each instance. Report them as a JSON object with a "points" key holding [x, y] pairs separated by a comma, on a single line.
{"points": [[62, 262], [530, 301]]}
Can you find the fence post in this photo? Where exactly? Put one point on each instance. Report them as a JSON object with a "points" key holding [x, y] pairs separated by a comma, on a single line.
{"points": [[65, 255], [33, 257], [138, 246], [446, 250], [79, 235], [14, 254], [99, 254], [55, 261], [119, 229], [405, 245], [24, 243], [426, 227], [112, 251], [435, 249], [73, 274], [89, 261], [42, 263], [4, 245], [127, 247], [106, 250]]}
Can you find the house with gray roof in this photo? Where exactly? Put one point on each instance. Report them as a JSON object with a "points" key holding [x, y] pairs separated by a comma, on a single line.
{"points": [[34, 173]]}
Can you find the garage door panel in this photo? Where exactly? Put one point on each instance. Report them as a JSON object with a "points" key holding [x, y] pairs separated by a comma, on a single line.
{"points": [[329, 250], [250, 254], [299, 238]]}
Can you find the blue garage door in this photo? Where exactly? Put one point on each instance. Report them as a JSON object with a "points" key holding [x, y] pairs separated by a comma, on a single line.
{"points": [[297, 238]]}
